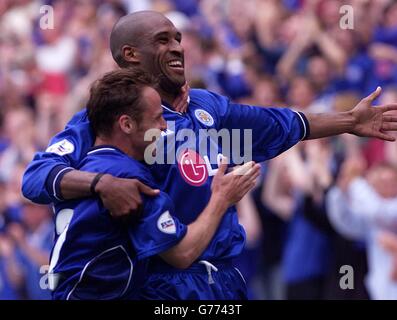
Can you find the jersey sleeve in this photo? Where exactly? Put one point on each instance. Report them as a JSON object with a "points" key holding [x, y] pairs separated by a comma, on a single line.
{"points": [[157, 231], [41, 179], [273, 130]]}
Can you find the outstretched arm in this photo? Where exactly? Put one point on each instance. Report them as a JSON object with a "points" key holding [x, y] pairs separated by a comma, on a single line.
{"points": [[363, 120]]}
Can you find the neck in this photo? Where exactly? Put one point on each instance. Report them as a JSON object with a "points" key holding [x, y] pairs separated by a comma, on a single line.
{"points": [[167, 97], [121, 143], [168, 92]]}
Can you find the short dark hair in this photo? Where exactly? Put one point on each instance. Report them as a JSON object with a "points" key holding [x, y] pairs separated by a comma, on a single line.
{"points": [[116, 93]]}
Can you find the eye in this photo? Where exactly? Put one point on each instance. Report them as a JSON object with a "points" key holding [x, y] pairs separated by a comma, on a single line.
{"points": [[163, 40]]}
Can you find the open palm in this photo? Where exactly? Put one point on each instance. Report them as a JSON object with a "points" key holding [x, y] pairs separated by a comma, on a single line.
{"points": [[374, 121]]}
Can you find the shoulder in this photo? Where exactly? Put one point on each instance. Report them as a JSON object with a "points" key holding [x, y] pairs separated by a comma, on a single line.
{"points": [[111, 160], [80, 117], [207, 105], [79, 125], [76, 135], [202, 96]]}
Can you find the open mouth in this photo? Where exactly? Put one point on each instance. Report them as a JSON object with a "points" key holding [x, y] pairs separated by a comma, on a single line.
{"points": [[176, 65]]}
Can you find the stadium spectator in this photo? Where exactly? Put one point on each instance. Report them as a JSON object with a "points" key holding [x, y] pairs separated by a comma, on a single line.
{"points": [[364, 208]]}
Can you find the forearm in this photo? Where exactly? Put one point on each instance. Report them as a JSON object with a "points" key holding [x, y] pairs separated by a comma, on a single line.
{"points": [[198, 236], [76, 184], [38, 183], [329, 124], [332, 51], [285, 66]]}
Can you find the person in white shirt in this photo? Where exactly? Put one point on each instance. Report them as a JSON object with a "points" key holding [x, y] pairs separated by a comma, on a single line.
{"points": [[362, 209]]}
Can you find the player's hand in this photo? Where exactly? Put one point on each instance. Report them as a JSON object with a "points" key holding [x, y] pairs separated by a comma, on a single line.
{"points": [[374, 121], [233, 186], [122, 196], [181, 101]]}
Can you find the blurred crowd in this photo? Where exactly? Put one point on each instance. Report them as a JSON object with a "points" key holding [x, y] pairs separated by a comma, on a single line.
{"points": [[318, 208]]}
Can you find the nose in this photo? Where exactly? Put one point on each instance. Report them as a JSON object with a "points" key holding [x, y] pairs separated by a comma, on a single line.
{"points": [[177, 48]]}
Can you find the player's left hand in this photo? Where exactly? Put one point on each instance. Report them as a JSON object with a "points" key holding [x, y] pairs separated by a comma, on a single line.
{"points": [[181, 101], [373, 121]]}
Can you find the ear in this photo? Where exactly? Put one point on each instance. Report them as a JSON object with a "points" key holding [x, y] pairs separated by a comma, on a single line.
{"points": [[127, 124], [130, 54]]}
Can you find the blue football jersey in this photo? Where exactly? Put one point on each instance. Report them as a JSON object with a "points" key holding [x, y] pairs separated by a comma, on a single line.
{"points": [[186, 180], [96, 256]]}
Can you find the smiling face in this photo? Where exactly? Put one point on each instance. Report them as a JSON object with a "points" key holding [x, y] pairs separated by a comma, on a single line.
{"points": [[148, 41], [161, 54]]}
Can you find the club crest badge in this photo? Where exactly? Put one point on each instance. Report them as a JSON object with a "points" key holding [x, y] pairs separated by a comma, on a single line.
{"points": [[204, 117]]}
